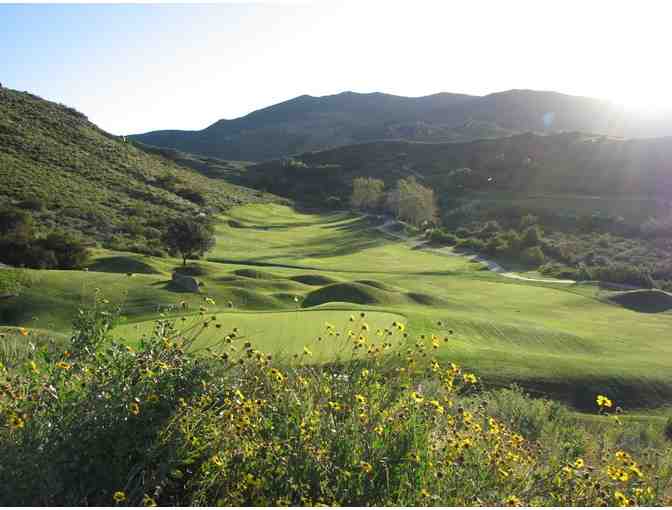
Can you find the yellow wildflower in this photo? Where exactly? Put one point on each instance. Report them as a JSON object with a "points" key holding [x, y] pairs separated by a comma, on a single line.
{"points": [[469, 378], [365, 466], [621, 499], [134, 408], [603, 402], [512, 501], [417, 397], [119, 497], [148, 501], [15, 422]]}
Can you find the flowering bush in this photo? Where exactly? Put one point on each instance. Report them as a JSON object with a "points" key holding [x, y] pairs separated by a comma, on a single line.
{"points": [[104, 423]]}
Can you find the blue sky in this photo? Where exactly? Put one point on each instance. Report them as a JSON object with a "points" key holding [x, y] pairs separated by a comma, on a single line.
{"points": [[134, 68]]}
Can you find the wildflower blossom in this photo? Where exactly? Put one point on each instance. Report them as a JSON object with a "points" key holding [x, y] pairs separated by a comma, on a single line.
{"points": [[512, 501], [621, 499], [365, 466], [469, 378], [134, 408], [603, 402], [417, 398], [148, 501], [119, 497]]}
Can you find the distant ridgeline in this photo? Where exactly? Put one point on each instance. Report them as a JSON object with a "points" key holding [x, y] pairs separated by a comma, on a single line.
{"points": [[308, 123], [561, 163]]}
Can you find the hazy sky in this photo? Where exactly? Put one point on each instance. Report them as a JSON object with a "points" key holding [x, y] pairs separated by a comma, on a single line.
{"points": [[135, 68]]}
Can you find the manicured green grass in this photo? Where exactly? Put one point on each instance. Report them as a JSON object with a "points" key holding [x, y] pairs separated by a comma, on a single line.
{"points": [[568, 341], [284, 334]]}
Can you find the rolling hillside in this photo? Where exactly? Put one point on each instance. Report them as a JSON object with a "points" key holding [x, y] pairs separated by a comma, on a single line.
{"points": [[562, 163], [308, 123], [73, 175]]}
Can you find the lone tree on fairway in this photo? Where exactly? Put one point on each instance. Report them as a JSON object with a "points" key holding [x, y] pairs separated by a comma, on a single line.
{"points": [[189, 237]]}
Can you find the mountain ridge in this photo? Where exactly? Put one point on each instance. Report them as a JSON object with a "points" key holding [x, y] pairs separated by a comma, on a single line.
{"points": [[310, 123]]}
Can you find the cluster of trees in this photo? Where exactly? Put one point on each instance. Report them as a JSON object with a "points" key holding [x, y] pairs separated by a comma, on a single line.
{"points": [[21, 246], [408, 201], [493, 240]]}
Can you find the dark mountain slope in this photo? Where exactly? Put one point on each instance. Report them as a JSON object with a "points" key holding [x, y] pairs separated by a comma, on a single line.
{"points": [[309, 123], [563, 163]]}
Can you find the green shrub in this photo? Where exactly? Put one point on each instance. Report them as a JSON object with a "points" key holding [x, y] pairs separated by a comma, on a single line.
{"points": [[531, 237], [471, 243], [68, 249], [32, 204], [533, 256], [439, 236], [16, 223]]}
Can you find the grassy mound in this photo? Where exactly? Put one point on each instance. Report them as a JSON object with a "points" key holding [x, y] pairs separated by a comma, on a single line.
{"points": [[254, 273], [123, 264], [314, 279], [248, 299], [377, 285], [644, 301], [349, 293], [424, 299]]}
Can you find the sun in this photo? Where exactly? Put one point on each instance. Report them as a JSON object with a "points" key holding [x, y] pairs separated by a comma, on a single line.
{"points": [[645, 98]]}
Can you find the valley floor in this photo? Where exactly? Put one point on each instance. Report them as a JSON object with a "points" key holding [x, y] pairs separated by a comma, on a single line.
{"points": [[279, 275]]}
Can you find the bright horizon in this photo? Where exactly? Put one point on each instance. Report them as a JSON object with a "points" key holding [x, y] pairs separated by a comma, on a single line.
{"points": [[137, 68]]}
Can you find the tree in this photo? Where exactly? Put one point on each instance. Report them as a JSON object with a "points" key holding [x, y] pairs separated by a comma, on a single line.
{"points": [[367, 193], [412, 202], [68, 249], [16, 223], [532, 236], [189, 237]]}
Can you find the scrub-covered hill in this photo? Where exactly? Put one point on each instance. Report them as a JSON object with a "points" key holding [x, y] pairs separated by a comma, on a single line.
{"points": [[72, 175]]}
